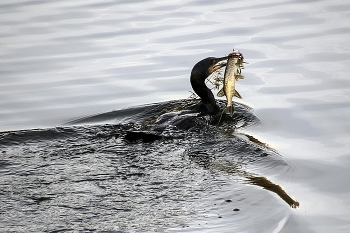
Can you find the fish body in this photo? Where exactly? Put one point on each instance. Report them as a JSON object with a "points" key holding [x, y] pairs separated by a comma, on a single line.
{"points": [[232, 73]]}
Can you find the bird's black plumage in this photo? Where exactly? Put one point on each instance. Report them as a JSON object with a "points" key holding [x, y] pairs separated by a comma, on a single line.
{"points": [[199, 73]]}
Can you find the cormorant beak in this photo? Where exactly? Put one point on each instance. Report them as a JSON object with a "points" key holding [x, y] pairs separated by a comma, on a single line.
{"points": [[217, 64]]}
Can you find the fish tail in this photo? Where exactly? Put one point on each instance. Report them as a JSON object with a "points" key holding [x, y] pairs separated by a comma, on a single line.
{"points": [[229, 110]]}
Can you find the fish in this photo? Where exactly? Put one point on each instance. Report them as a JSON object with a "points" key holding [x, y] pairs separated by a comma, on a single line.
{"points": [[232, 74]]}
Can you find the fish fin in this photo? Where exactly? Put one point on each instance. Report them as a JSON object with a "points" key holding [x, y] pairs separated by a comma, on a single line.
{"points": [[237, 94], [239, 76], [229, 110], [221, 93]]}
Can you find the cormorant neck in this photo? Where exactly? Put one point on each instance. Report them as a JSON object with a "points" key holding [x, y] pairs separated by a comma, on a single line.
{"points": [[199, 73], [207, 97]]}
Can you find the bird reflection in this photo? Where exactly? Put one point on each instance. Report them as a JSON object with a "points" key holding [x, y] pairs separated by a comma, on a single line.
{"points": [[234, 168], [268, 185]]}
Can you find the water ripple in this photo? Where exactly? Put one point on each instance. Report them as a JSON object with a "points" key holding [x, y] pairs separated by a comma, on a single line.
{"points": [[63, 60]]}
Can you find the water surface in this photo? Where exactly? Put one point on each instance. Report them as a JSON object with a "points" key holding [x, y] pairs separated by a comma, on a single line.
{"points": [[68, 60]]}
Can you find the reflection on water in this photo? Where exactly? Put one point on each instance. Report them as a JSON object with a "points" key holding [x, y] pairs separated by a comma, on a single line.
{"points": [[235, 169], [67, 60], [132, 175], [268, 185]]}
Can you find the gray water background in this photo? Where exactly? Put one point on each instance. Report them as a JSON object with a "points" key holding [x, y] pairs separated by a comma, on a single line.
{"points": [[64, 60]]}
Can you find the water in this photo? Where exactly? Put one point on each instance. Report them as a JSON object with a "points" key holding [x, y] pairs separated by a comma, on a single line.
{"points": [[68, 60]]}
